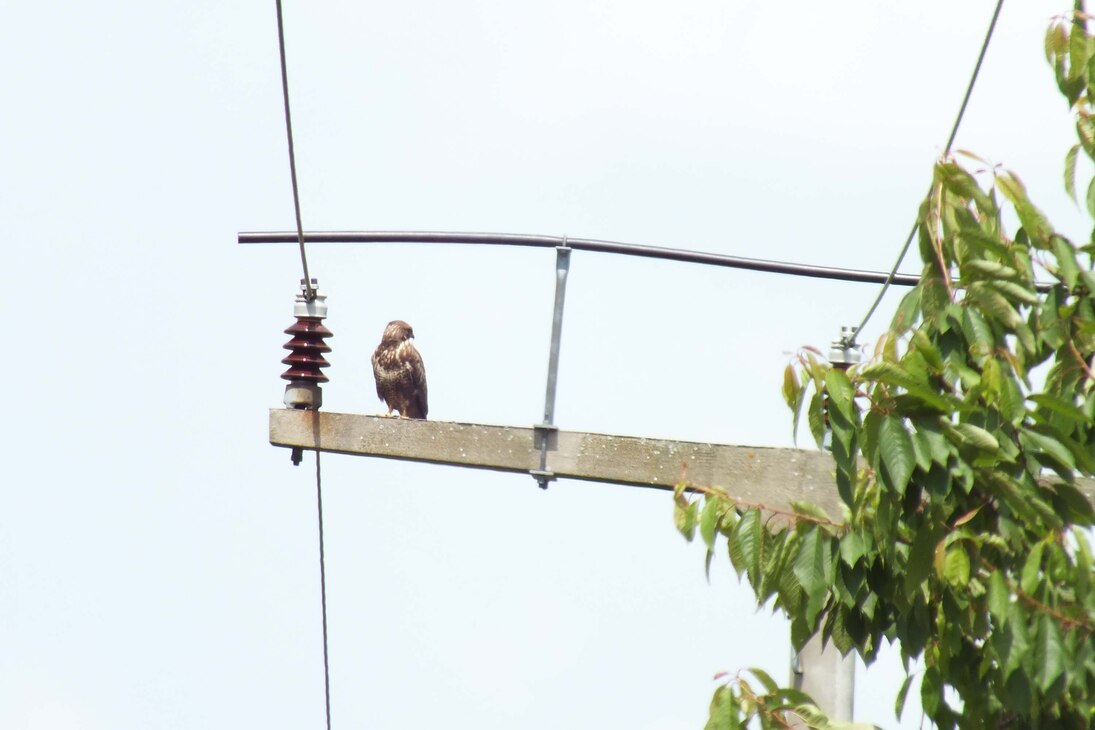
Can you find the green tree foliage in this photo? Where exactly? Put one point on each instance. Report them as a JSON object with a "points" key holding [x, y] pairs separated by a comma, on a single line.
{"points": [[956, 448]]}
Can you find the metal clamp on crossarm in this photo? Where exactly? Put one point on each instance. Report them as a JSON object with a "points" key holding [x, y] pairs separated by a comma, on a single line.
{"points": [[545, 431], [544, 435]]}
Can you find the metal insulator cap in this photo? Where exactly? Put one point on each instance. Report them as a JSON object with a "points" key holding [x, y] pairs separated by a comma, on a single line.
{"points": [[844, 352]]}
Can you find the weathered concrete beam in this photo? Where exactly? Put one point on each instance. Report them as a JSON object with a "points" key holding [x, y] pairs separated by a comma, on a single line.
{"points": [[757, 475]]}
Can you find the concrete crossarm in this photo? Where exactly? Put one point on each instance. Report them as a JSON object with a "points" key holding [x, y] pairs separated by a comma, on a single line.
{"points": [[756, 475]]}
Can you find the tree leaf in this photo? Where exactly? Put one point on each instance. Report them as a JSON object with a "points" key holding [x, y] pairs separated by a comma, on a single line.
{"points": [[684, 516], [907, 312], [723, 713], [841, 393], [1049, 653], [978, 437], [770, 685], [993, 304], [1060, 406], [811, 510], [956, 566], [902, 694], [709, 519], [816, 418], [1015, 292], [1070, 172], [809, 568], [1034, 221], [745, 545], [1032, 570], [852, 548], [898, 455], [999, 598], [1048, 446], [921, 557], [1067, 267]]}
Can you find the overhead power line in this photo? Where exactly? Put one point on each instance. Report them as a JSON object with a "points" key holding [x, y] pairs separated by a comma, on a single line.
{"points": [[588, 244], [308, 288], [891, 279], [310, 295]]}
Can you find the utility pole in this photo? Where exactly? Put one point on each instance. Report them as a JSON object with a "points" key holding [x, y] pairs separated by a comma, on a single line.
{"points": [[819, 670]]}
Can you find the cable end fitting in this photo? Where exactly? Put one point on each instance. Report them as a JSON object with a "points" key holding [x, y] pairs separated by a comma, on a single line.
{"points": [[844, 351]]}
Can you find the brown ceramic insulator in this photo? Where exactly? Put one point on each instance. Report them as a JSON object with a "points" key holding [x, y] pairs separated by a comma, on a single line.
{"points": [[305, 358]]}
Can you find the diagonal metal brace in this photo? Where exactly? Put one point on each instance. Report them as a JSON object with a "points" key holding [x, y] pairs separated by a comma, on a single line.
{"points": [[545, 431]]}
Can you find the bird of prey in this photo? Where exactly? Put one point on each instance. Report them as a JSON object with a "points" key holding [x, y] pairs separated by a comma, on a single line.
{"points": [[399, 372]]}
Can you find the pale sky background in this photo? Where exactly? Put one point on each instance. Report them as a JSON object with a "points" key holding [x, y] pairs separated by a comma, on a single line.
{"points": [[158, 558]]}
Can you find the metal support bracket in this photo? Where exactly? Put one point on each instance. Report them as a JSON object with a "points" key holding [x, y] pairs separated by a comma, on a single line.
{"points": [[545, 430]]}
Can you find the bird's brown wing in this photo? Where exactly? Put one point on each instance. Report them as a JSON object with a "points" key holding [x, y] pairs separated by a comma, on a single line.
{"points": [[376, 374], [419, 406]]}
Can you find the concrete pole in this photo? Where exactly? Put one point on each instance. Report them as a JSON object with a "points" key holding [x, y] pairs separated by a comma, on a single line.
{"points": [[827, 677], [820, 671]]}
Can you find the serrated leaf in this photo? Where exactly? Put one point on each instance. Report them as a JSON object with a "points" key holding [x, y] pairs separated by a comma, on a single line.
{"points": [[852, 548], [809, 568], [1034, 221], [1067, 267], [989, 269], [709, 518], [902, 694], [977, 437], [907, 312], [1090, 199], [1055, 41], [1085, 130], [684, 517], [1070, 172], [1032, 569], [963, 519], [770, 685], [888, 372], [897, 455], [790, 386], [811, 510], [1011, 401], [936, 442], [837, 631], [1077, 52], [722, 713], [1059, 406], [1049, 653], [1051, 447], [921, 555], [993, 304], [956, 566], [841, 394], [745, 545], [815, 416], [999, 598], [1015, 292]]}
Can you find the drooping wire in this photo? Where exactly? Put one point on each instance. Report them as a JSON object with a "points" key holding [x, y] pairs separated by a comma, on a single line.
{"points": [[309, 291], [946, 151], [310, 294], [323, 592]]}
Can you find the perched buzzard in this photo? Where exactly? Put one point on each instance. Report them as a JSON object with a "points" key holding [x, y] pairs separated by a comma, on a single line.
{"points": [[399, 372]]}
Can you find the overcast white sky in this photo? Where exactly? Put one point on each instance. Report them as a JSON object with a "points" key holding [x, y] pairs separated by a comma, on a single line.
{"points": [[158, 558]]}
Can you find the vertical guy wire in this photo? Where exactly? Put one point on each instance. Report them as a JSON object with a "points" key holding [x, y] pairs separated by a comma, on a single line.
{"points": [[309, 292], [946, 151]]}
